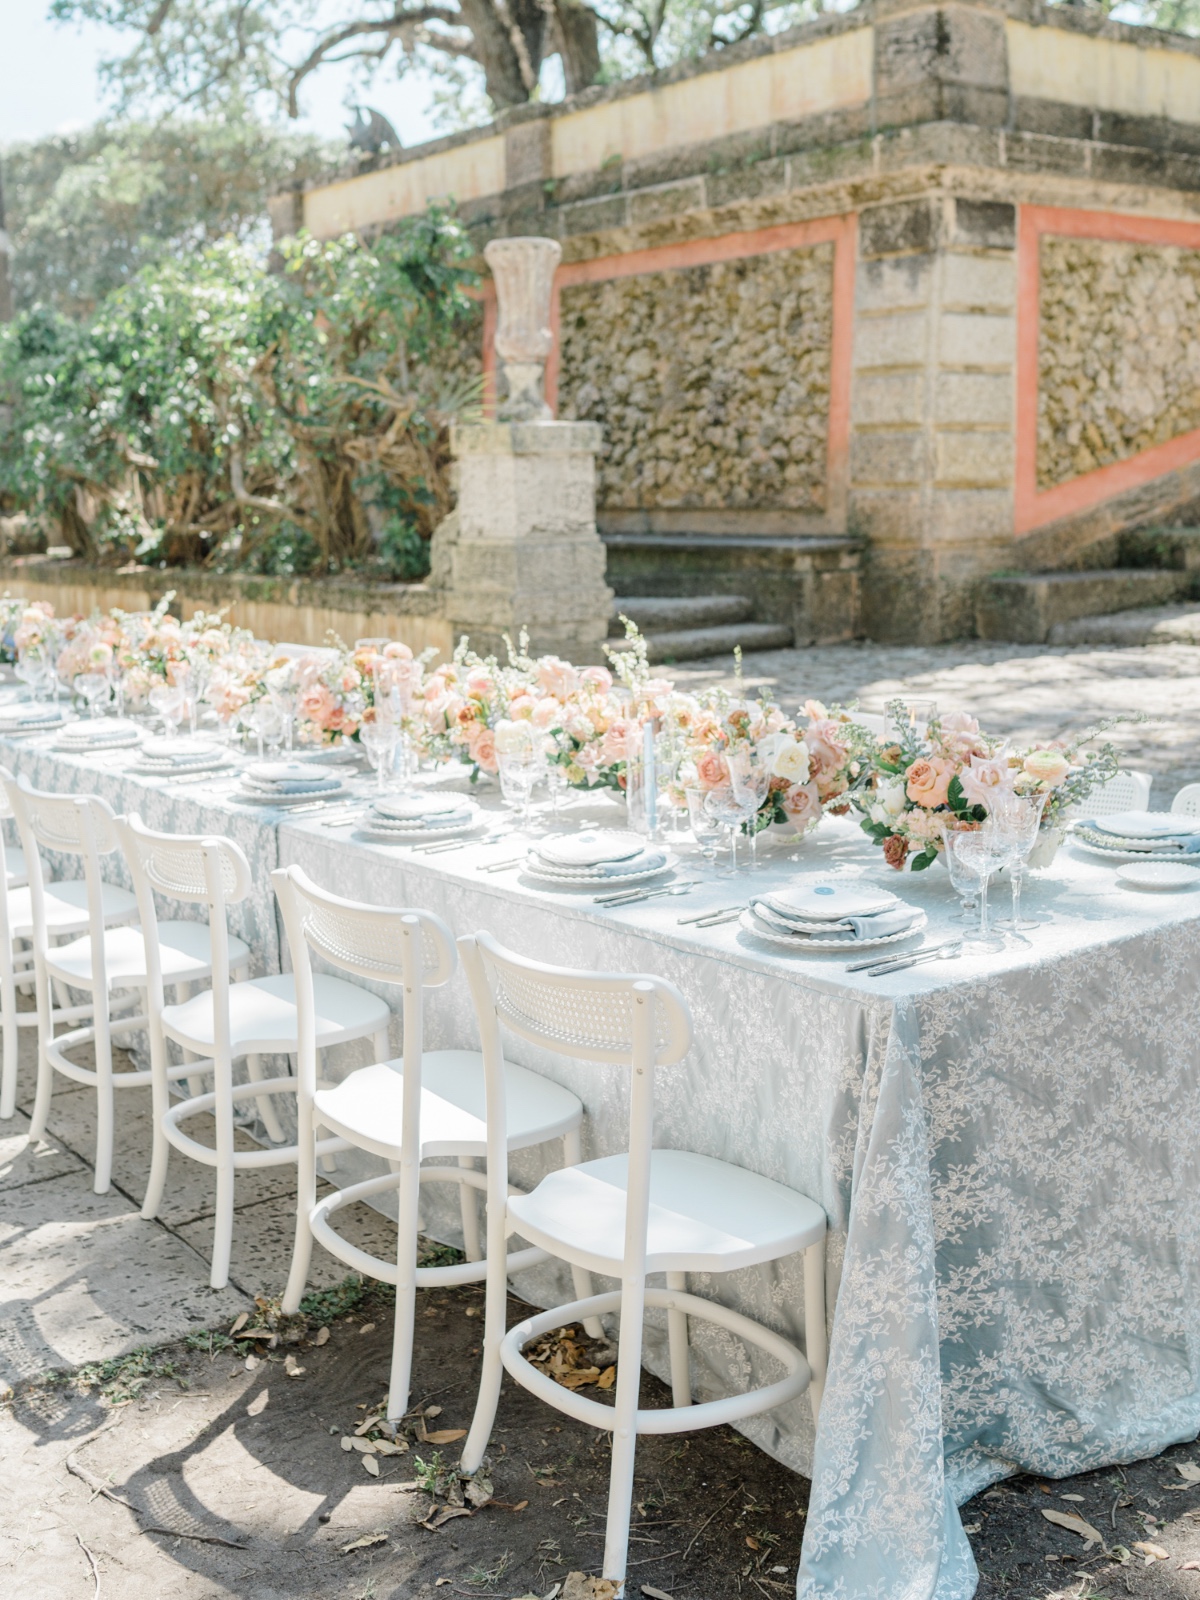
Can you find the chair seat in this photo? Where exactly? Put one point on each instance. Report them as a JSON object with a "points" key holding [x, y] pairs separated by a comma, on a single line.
{"points": [[262, 1015], [67, 908], [15, 869], [367, 1106], [705, 1215], [186, 955]]}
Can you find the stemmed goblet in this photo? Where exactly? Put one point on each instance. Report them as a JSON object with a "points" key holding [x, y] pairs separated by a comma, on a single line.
{"points": [[984, 851], [749, 779], [705, 827], [1018, 817], [379, 739]]}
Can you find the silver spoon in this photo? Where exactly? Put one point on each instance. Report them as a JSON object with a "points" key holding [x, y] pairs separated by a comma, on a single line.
{"points": [[629, 896]]}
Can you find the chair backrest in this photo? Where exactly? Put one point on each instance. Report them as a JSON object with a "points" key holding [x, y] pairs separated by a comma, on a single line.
{"points": [[1187, 801], [636, 1022], [1127, 791], [412, 949], [82, 825], [196, 869]]}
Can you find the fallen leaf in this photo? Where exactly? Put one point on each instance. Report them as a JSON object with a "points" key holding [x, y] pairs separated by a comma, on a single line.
{"points": [[240, 1322], [259, 1404], [657, 1594], [367, 1327], [1078, 1497], [576, 1379], [605, 1381], [1190, 1566], [1151, 1552], [292, 1367], [1188, 1471], [438, 1582], [1074, 1524], [366, 1425], [251, 1363], [322, 1336], [752, 1543], [444, 1514], [579, 1586], [388, 1447], [371, 1465], [365, 1447], [445, 1435], [432, 1411], [478, 1491], [366, 1541], [347, 1442]]}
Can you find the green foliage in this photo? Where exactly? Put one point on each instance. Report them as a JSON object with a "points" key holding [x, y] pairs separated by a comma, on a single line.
{"points": [[124, 1377], [324, 1306], [212, 411], [88, 210]]}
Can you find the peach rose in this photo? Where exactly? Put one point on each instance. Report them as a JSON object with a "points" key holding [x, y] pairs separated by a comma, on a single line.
{"points": [[520, 707], [711, 770], [802, 806], [480, 682], [927, 782], [557, 677], [546, 712], [1047, 766], [895, 851], [481, 746], [397, 651], [598, 678], [984, 781]]}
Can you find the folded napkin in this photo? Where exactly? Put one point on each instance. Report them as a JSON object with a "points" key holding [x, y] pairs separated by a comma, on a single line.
{"points": [[647, 861], [100, 731], [879, 925], [289, 777], [429, 809], [29, 716], [1181, 843]]}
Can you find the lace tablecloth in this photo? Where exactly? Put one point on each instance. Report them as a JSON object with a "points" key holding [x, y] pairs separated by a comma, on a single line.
{"points": [[1006, 1146]]}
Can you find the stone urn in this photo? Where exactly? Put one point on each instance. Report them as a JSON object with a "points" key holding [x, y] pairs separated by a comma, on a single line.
{"points": [[523, 271]]}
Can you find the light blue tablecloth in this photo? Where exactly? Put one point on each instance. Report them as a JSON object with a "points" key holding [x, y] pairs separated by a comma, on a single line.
{"points": [[1007, 1148]]}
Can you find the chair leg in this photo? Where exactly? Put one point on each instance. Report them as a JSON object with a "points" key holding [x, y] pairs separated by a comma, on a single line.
{"points": [[105, 1109], [45, 1072], [223, 1218], [264, 1102], [306, 1198], [581, 1278], [195, 1083], [383, 1046], [816, 1336], [677, 1340], [624, 1445], [495, 1326], [160, 1098], [12, 1044], [409, 1197], [470, 1214]]}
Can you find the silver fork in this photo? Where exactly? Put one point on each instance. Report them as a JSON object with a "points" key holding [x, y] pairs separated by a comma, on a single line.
{"points": [[629, 896]]}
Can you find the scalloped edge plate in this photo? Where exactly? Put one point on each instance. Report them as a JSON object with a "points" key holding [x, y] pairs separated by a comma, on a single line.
{"points": [[751, 924]]}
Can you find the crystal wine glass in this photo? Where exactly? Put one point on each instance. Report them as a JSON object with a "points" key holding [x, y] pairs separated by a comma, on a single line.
{"points": [[167, 701], [986, 850], [93, 689], [1019, 817], [379, 739], [732, 811], [963, 877], [706, 828], [750, 779], [520, 771]]}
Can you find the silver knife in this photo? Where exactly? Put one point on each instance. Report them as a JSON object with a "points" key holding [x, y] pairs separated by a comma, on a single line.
{"points": [[627, 897], [943, 951], [704, 916]]}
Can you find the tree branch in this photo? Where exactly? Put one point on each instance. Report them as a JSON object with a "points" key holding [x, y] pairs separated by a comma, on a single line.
{"points": [[391, 26]]}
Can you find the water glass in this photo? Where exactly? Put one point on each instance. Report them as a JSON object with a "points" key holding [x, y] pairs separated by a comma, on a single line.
{"points": [[750, 779], [964, 880], [520, 771], [379, 740], [706, 828], [985, 850], [732, 811], [167, 701], [92, 689]]}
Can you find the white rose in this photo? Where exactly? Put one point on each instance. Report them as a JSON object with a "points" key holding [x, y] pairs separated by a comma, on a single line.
{"points": [[879, 813], [512, 738], [791, 761], [892, 797]]}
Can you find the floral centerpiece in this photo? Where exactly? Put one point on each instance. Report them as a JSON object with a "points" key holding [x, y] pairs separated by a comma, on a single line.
{"points": [[951, 773]]}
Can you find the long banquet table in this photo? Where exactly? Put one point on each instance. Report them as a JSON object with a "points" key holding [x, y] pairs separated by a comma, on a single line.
{"points": [[1007, 1147]]}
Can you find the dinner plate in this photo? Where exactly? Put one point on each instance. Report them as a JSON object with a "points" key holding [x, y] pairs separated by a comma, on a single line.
{"points": [[1159, 875], [614, 881], [383, 835], [414, 809], [1115, 853], [752, 925], [255, 797], [1145, 824], [93, 747]]}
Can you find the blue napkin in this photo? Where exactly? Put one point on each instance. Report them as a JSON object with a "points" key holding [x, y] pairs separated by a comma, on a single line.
{"points": [[897, 919], [1184, 845]]}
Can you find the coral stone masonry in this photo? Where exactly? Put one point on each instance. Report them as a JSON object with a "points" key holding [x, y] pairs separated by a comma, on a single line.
{"points": [[910, 289]]}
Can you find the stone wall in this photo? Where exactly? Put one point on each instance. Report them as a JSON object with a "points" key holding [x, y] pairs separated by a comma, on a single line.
{"points": [[711, 382], [1118, 352]]}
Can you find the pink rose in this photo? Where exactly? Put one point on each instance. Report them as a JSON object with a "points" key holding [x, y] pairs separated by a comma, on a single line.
{"points": [[983, 781], [396, 651], [546, 712], [612, 746], [521, 707], [598, 678], [826, 753], [802, 804], [480, 682], [481, 746], [557, 677]]}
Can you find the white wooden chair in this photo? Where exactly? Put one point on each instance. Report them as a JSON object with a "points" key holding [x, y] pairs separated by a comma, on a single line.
{"points": [[88, 913], [627, 1216], [1127, 791], [225, 1021], [1187, 800], [426, 1105]]}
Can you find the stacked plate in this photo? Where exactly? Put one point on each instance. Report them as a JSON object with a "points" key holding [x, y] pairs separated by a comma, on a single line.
{"points": [[1140, 836], [411, 818], [287, 783], [171, 758], [596, 856], [99, 733], [832, 915], [30, 716]]}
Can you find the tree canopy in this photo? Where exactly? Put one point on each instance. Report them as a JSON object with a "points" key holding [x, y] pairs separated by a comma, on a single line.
{"points": [[87, 210]]}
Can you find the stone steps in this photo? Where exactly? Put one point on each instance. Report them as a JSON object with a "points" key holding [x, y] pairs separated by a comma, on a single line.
{"points": [[1149, 625], [692, 644], [1031, 607], [678, 614]]}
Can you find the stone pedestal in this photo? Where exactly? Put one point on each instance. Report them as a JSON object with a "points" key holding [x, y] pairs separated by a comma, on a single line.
{"points": [[521, 550]]}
